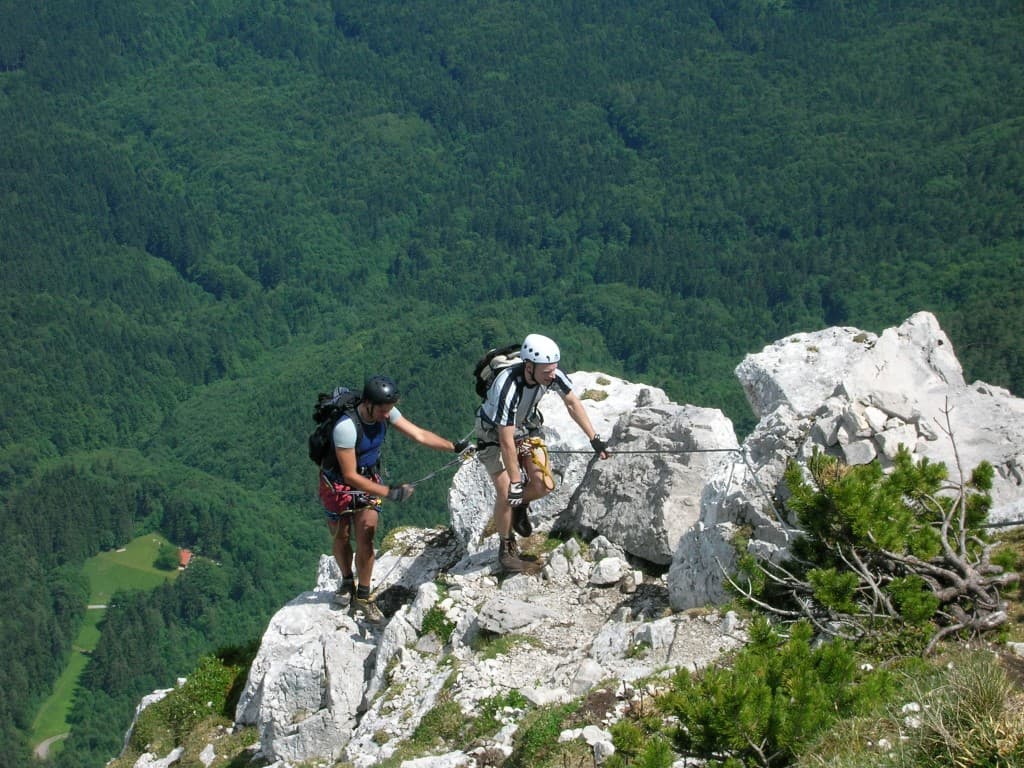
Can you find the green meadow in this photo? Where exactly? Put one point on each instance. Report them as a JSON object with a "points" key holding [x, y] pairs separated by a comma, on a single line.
{"points": [[130, 568], [127, 568]]}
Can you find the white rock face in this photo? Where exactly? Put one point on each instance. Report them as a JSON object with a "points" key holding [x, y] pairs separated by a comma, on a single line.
{"points": [[740, 494], [866, 395], [306, 683], [860, 397], [803, 370], [324, 687], [648, 495]]}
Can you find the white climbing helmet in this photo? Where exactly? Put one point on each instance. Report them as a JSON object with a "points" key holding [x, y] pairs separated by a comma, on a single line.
{"points": [[539, 349]]}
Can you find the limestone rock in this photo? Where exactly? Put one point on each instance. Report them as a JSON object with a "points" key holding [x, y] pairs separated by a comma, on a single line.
{"points": [[324, 688], [860, 397], [804, 369], [909, 375], [503, 616], [306, 682], [646, 497]]}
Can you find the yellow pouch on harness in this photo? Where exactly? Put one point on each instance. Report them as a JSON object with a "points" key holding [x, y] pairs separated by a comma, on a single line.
{"points": [[533, 450]]}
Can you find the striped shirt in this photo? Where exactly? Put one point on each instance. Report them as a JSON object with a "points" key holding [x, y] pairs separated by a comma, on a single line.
{"points": [[511, 401]]}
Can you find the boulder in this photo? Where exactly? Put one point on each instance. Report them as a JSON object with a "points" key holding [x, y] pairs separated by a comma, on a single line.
{"points": [[648, 494], [306, 683], [904, 387], [860, 397]]}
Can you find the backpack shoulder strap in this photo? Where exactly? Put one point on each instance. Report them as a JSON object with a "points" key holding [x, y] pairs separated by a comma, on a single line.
{"points": [[351, 413]]}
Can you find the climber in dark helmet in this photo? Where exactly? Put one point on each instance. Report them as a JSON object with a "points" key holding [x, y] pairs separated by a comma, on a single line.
{"points": [[509, 445], [353, 494]]}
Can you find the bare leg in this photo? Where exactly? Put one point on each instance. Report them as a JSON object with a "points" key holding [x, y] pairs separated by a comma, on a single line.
{"points": [[341, 545], [502, 510], [536, 488], [365, 530]]}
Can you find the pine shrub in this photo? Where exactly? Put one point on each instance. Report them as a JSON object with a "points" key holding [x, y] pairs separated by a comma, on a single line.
{"points": [[777, 696]]}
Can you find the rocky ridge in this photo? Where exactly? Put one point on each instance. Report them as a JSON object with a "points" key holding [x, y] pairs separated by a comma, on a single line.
{"points": [[646, 538], [860, 397]]}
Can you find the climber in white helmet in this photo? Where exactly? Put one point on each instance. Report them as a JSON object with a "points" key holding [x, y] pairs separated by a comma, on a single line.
{"points": [[509, 444]]}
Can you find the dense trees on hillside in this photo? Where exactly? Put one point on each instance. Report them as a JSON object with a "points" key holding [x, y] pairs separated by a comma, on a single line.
{"points": [[209, 214], [246, 569]]}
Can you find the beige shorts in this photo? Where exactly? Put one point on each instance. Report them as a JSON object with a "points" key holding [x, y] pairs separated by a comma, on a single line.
{"points": [[489, 453], [490, 457]]}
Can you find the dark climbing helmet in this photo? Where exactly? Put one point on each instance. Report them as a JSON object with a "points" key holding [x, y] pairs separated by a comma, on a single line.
{"points": [[380, 390]]}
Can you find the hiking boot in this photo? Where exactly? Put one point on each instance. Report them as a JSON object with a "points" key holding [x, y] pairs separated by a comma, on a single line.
{"points": [[509, 559], [521, 520], [342, 597], [368, 607]]}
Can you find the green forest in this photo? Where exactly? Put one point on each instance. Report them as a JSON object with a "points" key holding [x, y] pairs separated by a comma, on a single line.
{"points": [[210, 212]]}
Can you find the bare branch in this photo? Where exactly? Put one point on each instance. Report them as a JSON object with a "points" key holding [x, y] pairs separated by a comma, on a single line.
{"points": [[759, 751], [749, 595], [865, 574], [937, 637], [961, 501]]}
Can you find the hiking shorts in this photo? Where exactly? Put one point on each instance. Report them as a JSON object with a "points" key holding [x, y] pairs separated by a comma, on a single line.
{"points": [[490, 457], [487, 449], [340, 499]]}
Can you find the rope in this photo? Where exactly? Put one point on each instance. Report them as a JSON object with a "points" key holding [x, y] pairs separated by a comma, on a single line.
{"points": [[1003, 524], [613, 451], [466, 455]]}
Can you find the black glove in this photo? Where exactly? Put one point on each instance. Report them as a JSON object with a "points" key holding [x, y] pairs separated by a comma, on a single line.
{"points": [[515, 494], [460, 445], [599, 445], [399, 492]]}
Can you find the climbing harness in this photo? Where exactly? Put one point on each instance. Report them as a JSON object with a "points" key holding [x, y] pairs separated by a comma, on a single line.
{"points": [[345, 493]]}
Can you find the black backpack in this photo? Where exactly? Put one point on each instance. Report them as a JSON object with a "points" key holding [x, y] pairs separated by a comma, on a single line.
{"points": [[328, 409], [495, 360]]}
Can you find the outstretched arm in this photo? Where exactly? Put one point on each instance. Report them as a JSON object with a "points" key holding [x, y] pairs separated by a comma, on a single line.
{"points": [[423, 436], [578, 413]]}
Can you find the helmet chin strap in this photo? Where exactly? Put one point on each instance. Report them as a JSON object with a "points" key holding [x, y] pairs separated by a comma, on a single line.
{"points": [[367, 415], [528, 372]]}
